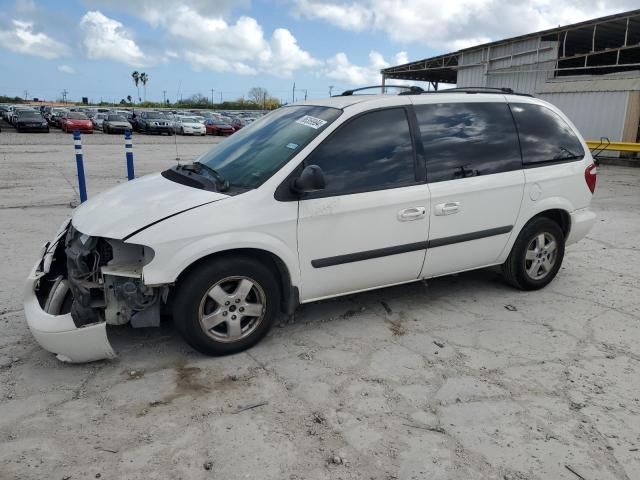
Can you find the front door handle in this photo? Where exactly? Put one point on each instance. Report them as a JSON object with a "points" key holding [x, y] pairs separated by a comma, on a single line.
{"points": [[413, 213], [447, 208]]}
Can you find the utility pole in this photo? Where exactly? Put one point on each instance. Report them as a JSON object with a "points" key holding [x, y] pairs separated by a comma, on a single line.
{"points": [[164, 97], [305, 94], [293, 93], [64, 96], [330, 89], [220, 98], [212, 90], [26, 94]]}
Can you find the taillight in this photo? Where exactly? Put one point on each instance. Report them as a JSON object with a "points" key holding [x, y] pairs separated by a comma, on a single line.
{"points": [[590, 176]]}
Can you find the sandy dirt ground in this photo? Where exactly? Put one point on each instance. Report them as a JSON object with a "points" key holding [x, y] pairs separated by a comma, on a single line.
{"points": [[458, 378]]}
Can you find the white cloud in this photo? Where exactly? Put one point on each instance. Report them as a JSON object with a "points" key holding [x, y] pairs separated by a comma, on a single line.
{"points": [[340, 68], [107, 38], [21, 37], [454, 24], [352, 16], [212, 43], [67, 69]]}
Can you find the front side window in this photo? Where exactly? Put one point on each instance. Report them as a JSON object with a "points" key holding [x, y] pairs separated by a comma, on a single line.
{"points": [[467, 139], [372, 152], [250, 156], [544, 136]]}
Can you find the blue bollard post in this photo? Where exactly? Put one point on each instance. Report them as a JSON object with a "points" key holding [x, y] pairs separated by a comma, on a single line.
{"points": [[128, 148], [80, 165]]}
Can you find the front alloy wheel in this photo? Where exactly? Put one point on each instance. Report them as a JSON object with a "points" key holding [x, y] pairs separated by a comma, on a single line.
{"points": [[232, 309], [227, 304]]}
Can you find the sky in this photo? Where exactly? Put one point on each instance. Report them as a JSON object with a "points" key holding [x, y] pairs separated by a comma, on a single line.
{"points": [[90, 47]]}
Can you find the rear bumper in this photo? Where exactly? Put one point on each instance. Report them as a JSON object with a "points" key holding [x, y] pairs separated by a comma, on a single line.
{"points": [[581, 223], [58, 334]]}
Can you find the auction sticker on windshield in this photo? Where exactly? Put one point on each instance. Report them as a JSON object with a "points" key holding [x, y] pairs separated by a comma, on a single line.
{"points": [[312, 122]]}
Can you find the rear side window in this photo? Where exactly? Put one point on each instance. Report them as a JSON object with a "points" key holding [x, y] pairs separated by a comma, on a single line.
{"points": [[544, 136], [372, 152], [467, 139]]}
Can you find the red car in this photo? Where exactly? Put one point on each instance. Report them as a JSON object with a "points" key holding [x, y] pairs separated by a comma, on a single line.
{"points": [[72, 121], [214, 126]]}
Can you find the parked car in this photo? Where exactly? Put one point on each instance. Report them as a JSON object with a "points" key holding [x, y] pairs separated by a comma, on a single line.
{"points": [[4, 111], [237, 123], [188, 126], [55, 117], [115, 124], [214, 126], [16, 110], [30, 120], [72, 121], [314, 201], [153, 122], [98, 120]]}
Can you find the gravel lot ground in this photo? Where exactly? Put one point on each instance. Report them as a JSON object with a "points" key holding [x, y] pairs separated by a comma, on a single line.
{"points": [[461, 378]]}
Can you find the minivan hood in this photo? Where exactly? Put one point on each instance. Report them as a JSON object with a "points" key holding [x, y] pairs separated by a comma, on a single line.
{"points": [[134, 205]]}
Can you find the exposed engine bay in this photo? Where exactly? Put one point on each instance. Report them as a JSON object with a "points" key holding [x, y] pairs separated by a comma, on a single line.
{"points": [[99, 280]]}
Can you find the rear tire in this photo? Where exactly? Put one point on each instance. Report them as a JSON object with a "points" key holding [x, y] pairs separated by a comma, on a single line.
{"points": [[210, 301], [536, 255]]}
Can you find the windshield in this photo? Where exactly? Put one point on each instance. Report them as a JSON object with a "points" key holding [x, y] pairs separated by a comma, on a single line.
{"points": [[76, 116], [252, 155], [29, 115], [116, 118], [155, 116]]}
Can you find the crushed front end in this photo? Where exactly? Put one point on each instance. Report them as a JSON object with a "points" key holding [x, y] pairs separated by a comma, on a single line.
{"points": [[81, 284]]}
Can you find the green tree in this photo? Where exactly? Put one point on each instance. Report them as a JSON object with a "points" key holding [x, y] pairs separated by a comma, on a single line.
{"points": [[144, 78], [136, 79]]}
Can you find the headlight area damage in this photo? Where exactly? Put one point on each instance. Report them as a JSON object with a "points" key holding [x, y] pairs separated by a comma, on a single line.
{"points": [[83, 283]]}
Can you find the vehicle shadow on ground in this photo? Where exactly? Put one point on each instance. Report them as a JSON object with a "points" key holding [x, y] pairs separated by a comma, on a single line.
{"points": [[469, 286]]}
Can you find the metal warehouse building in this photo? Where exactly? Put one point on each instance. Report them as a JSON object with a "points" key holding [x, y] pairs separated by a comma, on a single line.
{"points": [[590, 70]]}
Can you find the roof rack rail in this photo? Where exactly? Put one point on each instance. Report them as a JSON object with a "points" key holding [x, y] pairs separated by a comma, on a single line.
{"points": [[408, 90], [496, 90]]}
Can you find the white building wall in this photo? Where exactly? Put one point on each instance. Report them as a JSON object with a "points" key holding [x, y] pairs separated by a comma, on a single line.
{"points": [[595, 114], [525, 67]]}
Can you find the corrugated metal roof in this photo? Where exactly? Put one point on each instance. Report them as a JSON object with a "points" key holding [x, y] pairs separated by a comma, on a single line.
{"points": [[596, 83]]}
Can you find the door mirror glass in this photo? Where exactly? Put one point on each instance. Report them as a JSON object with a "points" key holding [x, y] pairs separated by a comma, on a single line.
{"points": [[310, 180]]}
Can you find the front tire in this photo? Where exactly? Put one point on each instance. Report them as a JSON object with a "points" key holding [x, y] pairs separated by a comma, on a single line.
{"points": [[227, 305], [536, 255]]}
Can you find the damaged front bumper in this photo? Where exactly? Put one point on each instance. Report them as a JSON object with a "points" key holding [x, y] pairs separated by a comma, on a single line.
{"points": [[58, 333], [80, 285]]}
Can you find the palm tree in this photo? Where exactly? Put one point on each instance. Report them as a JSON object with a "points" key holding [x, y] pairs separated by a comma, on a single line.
{"points": [[129, 98], [144, 78], [136, 79]]}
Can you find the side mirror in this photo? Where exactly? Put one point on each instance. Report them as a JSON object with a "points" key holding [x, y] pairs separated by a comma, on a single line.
{"points": [[310, 180]]}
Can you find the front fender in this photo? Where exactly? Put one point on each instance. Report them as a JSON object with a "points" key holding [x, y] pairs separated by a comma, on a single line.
{"points": [[169, 262]]}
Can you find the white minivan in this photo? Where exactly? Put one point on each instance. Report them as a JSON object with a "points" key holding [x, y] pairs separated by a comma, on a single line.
{"points": [[313, 201]]}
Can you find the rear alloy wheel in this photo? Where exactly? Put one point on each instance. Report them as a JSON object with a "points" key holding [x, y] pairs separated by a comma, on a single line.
{"points": [[536, 255], [227, 305]]}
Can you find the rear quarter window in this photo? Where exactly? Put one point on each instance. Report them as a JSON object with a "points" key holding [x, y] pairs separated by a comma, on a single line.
{"points": [[544, 136]]}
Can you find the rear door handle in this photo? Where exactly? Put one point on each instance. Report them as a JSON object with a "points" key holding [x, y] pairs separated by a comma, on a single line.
{"points": [[413, 213], [448, 208]]}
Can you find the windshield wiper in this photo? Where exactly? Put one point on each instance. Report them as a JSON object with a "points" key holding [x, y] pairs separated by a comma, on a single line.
{"points": [[223, 184]]}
